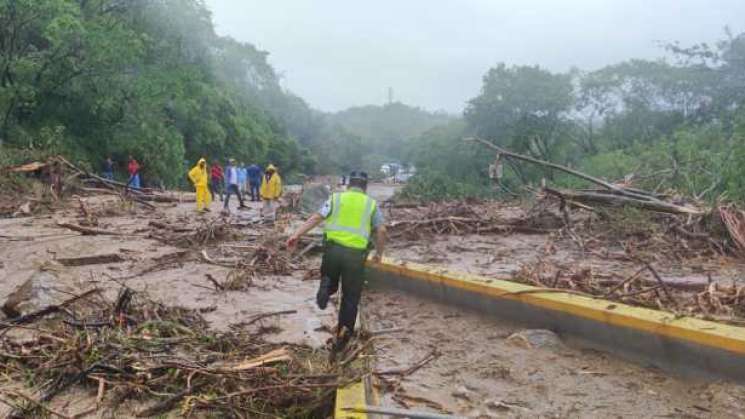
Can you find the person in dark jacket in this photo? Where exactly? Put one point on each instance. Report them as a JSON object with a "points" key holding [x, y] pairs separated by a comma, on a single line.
{"points": [[108, 168], [254, 181]]}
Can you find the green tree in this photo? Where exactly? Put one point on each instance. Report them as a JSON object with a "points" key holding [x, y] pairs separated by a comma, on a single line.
{"points": [[523, 108]]}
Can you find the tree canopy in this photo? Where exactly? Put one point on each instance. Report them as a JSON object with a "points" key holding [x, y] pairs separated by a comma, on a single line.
{"points": [[92, 78], [674, 124]]}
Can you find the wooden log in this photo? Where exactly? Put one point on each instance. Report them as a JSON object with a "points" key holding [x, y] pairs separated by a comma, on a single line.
{"points": [[614, 200], [91, 260], [629, 194], [398, 413], [262, 316], [24, 168], [106, 182], [31, 317], [87, 231], [159, 198]]}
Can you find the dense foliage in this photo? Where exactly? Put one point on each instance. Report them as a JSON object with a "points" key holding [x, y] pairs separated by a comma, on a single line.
{"points": [[664, 125], [368, 136], [90, 78]]}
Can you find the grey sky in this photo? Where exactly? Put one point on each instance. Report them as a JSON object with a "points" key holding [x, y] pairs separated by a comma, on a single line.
{"points": [[341, 53]]}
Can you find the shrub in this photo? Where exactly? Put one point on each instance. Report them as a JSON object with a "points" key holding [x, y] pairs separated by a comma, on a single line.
{"points": [[431, 185]]}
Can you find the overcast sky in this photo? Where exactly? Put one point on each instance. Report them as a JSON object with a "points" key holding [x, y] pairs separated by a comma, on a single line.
{"points": [[433, 53]]}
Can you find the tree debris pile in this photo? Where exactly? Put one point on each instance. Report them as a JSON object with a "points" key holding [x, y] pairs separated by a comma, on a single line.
{"points": [[644, 288], [632, 234], [465, 217], [591, 252], [180, 234], [251, 261], [60, 177], [166, 357]]}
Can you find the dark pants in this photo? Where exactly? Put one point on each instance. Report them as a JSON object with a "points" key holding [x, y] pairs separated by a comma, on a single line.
{"points": [[348, 265], [216, 188], [233, 189], [254, 186]]}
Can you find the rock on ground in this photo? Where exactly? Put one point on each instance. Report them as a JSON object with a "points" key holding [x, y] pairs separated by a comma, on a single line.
{"points": [[313, 197], [535, 338], [34, 294]]}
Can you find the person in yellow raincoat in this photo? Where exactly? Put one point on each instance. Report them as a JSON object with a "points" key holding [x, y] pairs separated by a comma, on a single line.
{"points": [[271, 190], [200, 178]]}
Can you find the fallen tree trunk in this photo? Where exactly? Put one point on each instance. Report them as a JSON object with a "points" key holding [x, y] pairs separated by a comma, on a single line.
{"points": [[159, 198], [91, 260], [104, 181], [636, 196], [87, 231], [613, 200]]}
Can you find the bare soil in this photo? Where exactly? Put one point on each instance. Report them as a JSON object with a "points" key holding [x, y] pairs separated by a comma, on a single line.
{"points": [[480, 374], [31, 244], [477, 373]]}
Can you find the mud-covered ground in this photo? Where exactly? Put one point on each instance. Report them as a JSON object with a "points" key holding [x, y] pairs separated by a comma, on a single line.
{"points": [[479, 372], [28, 245], [503, 254]]}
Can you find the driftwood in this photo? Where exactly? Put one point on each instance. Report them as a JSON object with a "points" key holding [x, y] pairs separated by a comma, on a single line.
{"points": [[87, 231], [262, 316], [24, 168], [91, 260], [434, 354], [398, 413], [616, 195], [31, 317], [226, 374], [159, 198], [614, 200], [111, 184]]}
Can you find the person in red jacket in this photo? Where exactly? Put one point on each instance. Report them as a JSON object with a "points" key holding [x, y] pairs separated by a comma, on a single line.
{"points": [[217, 178], [134, 173]]}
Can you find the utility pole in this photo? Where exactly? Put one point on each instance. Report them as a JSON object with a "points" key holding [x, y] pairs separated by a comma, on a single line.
{"points": [[390, 95]]}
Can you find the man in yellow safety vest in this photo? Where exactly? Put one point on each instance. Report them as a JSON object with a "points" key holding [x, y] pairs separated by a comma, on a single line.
{"points": [[351, 219]]}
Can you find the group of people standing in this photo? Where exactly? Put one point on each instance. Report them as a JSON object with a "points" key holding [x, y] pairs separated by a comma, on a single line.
{"points": [[236, 179], [133, 169]]}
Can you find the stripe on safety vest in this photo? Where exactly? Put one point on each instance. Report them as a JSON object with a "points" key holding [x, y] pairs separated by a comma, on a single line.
{"points": [[363, 230]]}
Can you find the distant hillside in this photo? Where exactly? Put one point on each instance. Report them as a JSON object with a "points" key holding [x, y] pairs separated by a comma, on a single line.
{"points": [[387, 127]]}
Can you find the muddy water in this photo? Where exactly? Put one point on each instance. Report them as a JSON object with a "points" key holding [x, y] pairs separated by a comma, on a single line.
{"points": [[30, 244], [480, 373], [37, 242]]}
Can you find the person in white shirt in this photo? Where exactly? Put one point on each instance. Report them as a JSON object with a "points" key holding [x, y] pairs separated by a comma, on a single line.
{"points": [[232, 183]]}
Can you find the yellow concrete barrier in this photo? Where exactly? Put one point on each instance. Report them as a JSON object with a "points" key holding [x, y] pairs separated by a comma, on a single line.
{"points": [[351, 396], [696, 331]]}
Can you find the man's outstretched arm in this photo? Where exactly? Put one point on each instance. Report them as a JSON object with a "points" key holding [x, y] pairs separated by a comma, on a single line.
{"points": [[380, 238], [314, 221]]}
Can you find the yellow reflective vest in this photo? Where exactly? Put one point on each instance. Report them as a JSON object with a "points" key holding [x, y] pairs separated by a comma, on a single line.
{"points": [[350, 221]]}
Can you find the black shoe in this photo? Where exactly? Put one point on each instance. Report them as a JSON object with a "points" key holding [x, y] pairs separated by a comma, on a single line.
{"points": [[339, 344], [322, 297]]}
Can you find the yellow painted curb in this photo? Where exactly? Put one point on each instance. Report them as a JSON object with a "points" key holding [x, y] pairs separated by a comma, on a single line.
{"points": [[351, 396], [701, 332], [360, 394]]}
